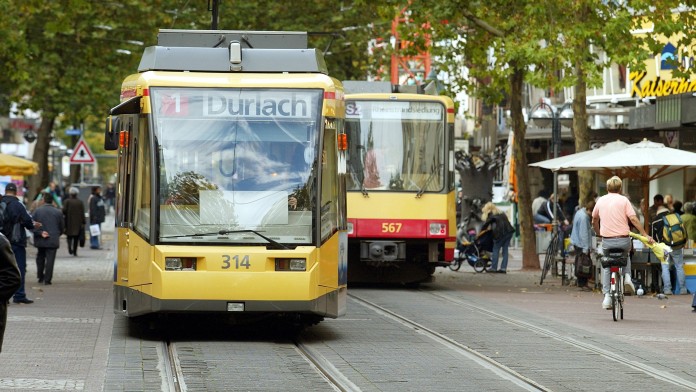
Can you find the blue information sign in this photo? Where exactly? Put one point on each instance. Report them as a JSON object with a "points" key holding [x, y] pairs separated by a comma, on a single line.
{"points": [[73, 132]]}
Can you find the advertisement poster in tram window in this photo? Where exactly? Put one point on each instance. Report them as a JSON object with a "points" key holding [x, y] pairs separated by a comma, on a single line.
{"points": [[248, 103], [395, 110]]}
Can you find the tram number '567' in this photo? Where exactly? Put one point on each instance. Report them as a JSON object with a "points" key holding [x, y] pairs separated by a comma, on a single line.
{"points": [[239, 261], [391, 227]]}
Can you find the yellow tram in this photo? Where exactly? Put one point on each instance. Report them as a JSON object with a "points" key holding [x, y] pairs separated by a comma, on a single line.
{"points": [[401, 200], [231, 179]]}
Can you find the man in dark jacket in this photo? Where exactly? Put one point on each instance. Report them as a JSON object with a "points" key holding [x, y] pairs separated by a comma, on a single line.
{"points": [[47, 238], [97, 214], [10, 280], [74, 212], [16, 213]]}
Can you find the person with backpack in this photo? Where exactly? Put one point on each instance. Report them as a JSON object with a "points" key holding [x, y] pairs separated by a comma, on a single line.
{"points": [[15, 219], [668, 228]]}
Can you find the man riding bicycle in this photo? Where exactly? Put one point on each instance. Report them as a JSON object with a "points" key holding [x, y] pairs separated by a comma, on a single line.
{"points": [[610, 219]]}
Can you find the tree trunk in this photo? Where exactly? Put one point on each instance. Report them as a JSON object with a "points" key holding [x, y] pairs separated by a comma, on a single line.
{"points": [[39, 181], [530, 259], [582, 135]]}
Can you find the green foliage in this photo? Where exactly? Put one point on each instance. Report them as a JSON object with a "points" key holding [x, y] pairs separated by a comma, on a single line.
{"points": [[69, 57]]}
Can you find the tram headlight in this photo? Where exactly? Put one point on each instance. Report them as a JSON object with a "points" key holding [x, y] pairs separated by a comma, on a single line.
{"points": [[180, 263], [350, 227], [438, 229], [291, 264]]}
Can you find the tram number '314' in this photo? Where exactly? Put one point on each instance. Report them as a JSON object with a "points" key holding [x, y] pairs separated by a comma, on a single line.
{"points": [[239, 261], [391, 227]]}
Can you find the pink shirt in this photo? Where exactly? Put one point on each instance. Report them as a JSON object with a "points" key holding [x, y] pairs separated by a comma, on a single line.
{"points": [[613, 210]]}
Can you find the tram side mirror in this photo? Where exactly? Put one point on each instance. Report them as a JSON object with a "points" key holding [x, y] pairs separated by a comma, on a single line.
{"points": [[113, 122], [111, 134]]}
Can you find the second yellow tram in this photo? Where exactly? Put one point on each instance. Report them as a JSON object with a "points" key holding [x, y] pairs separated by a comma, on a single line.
{"points": [[401, 199]]}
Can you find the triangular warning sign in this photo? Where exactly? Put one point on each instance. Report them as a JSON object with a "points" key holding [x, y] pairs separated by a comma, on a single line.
{"points": [[82, 153]]}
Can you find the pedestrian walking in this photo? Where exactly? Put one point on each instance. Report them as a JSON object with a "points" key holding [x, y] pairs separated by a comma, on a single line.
{"points": [[47, 237], [502, 234], [97, 214], [16, 220], [10, 280], [74, 214]]}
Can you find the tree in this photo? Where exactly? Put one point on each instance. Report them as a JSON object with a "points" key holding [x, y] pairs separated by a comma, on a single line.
{"points": [[67, 59], [491, 49]]}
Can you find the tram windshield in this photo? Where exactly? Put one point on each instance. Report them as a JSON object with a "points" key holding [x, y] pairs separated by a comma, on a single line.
{"points": [[396, 145], [236, 161]]}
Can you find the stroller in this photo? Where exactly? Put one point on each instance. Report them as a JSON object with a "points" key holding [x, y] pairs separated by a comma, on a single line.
{"points": [[475, 250]]}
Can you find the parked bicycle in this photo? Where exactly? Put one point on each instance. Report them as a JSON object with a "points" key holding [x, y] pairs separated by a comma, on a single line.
{"points": [[616, 259], [555, 252]]}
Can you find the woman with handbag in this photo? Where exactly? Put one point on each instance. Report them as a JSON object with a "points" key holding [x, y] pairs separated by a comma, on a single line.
{"points": [[502, 234], [581, 238], [97, 214], [74, 213]]}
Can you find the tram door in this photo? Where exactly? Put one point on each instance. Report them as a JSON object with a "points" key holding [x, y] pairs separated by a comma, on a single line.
{"points": [[134, 188]]}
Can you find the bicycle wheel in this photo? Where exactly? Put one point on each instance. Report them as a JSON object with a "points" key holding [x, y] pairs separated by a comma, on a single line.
{"points": [[620, 294], [549, 259], [456, 264], [615, 301]]}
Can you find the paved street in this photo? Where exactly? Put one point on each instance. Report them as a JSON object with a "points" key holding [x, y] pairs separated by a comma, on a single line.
{"points": [[66, 339]]}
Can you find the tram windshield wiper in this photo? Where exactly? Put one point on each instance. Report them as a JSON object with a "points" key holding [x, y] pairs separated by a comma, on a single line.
{"points": [[270, 241], [273, 242], [432, 175]]}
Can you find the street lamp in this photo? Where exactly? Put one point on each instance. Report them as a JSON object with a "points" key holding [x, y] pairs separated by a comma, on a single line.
{"points": [[543, 115]]}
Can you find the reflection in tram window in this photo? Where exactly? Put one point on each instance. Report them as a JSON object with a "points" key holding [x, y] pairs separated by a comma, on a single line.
{"points": [[236, 173]]}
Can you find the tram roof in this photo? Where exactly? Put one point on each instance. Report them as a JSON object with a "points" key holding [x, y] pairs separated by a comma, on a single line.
{"points": [[232, 51], [222, 38]]}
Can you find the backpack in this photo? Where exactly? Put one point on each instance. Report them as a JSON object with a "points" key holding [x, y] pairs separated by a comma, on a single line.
{"points": [[673, 231], [5, 224], [9, 229]]}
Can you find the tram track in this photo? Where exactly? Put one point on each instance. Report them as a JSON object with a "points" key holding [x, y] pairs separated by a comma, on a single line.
{"points": [[326, 369], [173, 377], [643, 368], [484, 361]]}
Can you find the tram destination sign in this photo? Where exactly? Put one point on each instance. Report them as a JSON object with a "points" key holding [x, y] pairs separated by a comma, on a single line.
{"points": [[395, 110], [222, 103]]}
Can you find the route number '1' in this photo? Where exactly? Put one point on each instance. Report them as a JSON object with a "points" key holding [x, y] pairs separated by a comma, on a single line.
{"points": [[391, 227], [239, 261]]}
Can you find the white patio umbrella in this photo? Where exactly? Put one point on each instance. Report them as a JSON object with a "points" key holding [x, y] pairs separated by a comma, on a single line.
{"points": [[565, 161], [643, 161]]}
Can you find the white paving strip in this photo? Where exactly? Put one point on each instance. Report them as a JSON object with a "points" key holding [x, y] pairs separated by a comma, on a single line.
{"points": [[72, 320], [42, 385]]}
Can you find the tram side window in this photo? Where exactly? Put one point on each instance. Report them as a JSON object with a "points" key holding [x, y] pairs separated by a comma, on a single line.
{"points": [[141, 191], [329, 185]]}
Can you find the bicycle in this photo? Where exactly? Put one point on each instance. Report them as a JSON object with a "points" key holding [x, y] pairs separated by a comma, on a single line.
{"points": [[616, 259], [554, 249]]}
